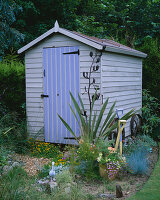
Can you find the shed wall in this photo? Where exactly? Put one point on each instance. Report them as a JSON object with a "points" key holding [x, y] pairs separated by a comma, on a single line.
{"points": [[35, 82], [122, 82]]}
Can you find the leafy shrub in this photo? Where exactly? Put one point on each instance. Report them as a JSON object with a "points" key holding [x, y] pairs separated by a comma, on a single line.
{"points": [[147, 140], [13, 133], [141, 141], [137, 162], [150, 113], [151, 72], [12, 90]]}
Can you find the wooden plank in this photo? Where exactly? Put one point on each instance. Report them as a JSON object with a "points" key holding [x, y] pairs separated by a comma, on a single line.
{"points": [[36, 124], [34, 90], [39, 75], [35, 114], [34, 80], [34, 104], [121, 58], [34, 71], [34, 100], [122, 84], [120, 79], [123, 74], [120, 88], [34, 109], [33, 65], [33, 95], [122, 93], [35, 119], [116, 63], [34, 85], [119, 69]]}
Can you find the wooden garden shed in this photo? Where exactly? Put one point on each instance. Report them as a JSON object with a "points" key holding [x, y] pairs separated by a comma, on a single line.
{"points": [[55, 64]]}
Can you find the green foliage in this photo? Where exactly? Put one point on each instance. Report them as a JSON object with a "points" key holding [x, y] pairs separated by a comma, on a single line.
{"points": [[151, 65], [16, 185], [42, 173], [65, 180], [150, 113], [89, 130], [141, 141], [9, 36], [13, 133], [3, 157], [12, 90]]}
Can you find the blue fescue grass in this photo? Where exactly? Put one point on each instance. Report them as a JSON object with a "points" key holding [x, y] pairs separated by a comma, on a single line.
{"points": [[137, 162]]}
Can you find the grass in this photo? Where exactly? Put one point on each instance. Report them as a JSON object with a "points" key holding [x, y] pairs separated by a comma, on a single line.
{"points": [[17, 185], [151, 190]]}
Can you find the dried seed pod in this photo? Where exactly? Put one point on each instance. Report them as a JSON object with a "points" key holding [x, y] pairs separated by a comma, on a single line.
{"points": [[91, 54]]}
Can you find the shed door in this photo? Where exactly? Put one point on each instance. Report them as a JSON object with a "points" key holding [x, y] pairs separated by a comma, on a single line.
{"points": [[61, 75]]}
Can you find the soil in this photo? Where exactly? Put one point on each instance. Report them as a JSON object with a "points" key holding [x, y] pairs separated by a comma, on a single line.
{"points": [[31, 164], [129, 183]]}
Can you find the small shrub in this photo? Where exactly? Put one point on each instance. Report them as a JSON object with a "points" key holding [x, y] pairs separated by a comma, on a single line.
{"points": [[141, 141], [147, 140], [13, 133], [137, 162], [150, 113], [68, 189], [44, 172], [12, 90]]}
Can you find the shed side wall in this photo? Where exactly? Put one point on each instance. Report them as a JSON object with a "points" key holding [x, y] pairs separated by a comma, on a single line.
{"points": [[122, 82], [34, 79]]}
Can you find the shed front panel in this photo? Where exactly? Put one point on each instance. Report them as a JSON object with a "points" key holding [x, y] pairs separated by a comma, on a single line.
{"points": [[61, 75]]}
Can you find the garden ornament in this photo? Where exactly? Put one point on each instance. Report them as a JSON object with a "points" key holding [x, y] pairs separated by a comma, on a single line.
{"points": [[52, 173]]}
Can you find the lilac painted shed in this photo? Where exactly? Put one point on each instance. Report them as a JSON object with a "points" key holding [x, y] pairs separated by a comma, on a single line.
{"points": [[54, 64]]}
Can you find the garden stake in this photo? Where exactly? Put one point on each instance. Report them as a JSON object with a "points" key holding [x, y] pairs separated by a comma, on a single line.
{"points": [[120, 129]]}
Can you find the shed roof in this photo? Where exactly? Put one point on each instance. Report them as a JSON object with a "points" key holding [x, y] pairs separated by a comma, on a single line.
{"points": [[100, 44]]}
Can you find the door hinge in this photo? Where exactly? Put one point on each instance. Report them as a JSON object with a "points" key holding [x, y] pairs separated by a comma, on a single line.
{"points": [[44, 95], [44, 72], [73, 52]]}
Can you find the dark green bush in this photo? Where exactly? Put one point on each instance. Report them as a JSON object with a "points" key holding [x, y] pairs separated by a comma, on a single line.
{"points": [[150, 114], [151, 66], [12, 87], [13, 133]]}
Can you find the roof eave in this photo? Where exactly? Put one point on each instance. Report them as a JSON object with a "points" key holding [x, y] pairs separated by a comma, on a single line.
{"points": [[29, 45], [126, 52]]}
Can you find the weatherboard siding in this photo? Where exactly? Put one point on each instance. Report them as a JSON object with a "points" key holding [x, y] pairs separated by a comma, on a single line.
{"points": [[122, 82], [35, 82]]}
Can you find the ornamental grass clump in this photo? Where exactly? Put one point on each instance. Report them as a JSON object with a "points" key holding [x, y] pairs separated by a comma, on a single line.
{"points": [[137, 162]]}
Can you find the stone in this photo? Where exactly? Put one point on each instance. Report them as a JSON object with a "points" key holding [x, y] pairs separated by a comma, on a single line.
{"points": [[119, 192], [6, 169], [105, 195], [67, 190], [43, 182], [15, 164], [53, 185]]}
